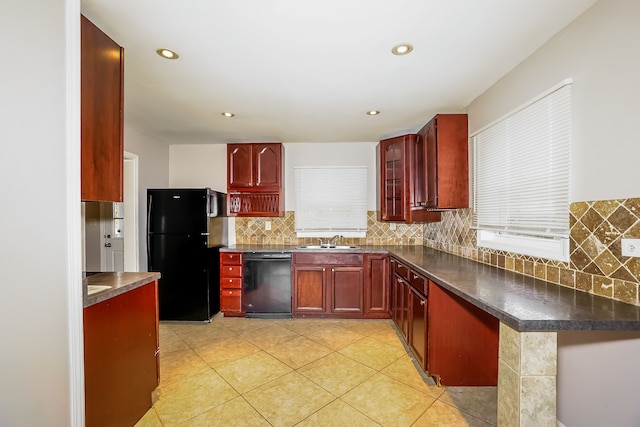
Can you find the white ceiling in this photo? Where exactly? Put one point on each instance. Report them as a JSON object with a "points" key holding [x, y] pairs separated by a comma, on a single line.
{"points": [[308, 70]]}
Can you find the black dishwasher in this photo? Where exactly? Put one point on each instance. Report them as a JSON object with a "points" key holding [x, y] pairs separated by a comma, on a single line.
{"points": [[267, 284]]}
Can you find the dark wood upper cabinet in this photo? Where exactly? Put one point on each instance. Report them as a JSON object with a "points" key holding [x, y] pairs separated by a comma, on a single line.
{"points": [[102, 101], [254, 179], [445, 139], [401, 191]]}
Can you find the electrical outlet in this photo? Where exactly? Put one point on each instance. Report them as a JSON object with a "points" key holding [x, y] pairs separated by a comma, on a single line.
{"points": [[267, 225], [392, 226], [631, 247]]}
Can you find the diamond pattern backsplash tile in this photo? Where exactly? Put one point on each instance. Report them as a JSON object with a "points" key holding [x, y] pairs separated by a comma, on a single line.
{"points": [[596, 262], [252, 231]]}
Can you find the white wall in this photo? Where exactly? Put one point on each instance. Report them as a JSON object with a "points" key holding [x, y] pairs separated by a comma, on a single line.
{"points": [[198, 166], [206, 165], [153, 172], [41, 303], [601, 52]]}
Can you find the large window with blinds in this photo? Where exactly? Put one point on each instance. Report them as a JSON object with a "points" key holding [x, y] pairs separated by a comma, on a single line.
{"points": [[330, 201], [521, 177]]}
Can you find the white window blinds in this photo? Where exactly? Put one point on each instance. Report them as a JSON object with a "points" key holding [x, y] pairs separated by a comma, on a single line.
{"points": [[331, 200], [521, 168]]}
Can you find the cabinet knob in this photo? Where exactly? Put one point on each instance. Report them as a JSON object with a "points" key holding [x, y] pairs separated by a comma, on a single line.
{"points": [[415, 276], [422, 302]]}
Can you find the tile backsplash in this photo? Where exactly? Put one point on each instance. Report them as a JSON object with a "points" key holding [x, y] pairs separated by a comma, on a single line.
{"points": [[252, 231], [596, 263]]}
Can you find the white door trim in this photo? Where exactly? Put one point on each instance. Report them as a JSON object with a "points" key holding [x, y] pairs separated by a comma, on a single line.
{"points": [[131, 213], [74, 208]]}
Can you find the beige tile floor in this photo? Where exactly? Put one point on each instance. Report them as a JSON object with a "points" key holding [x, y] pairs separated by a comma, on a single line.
{"points": [[302, 372]]}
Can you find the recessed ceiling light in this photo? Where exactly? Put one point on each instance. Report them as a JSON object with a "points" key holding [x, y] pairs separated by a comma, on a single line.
{"points": [[373, 112], [167, 53], [226, 114], [402, 49]]}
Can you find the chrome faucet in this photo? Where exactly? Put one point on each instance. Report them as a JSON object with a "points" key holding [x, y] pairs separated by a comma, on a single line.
{"points": [[337, 236]]}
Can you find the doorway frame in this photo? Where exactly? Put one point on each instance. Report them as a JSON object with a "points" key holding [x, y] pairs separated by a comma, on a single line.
{"points": [[131, 212]]}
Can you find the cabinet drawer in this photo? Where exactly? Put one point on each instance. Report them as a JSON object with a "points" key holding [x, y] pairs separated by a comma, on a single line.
{"points": [[231, 283], [228, 258], [401, 269], [230, 271], [419, 282]]}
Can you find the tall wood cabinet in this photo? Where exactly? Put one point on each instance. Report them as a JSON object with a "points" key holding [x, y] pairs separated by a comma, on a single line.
{"points": [[446, 139], [254, 179], [102, 109], [401, 190]]}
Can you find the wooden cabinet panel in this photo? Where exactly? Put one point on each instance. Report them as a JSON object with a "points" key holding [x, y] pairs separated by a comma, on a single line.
{"points": [[462, 341], [376, 286], [346, 289], [418, 326], [102, 112], [121, 357], [401, 189], [446, 141], [309, 289], [231, 284]]}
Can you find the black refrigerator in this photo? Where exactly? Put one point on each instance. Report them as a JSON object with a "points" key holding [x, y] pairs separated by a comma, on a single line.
{"points": [[185, 229]]}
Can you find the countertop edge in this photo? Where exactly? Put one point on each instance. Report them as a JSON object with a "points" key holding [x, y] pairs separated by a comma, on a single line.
{"points": [[444, 269], [120, 283]]}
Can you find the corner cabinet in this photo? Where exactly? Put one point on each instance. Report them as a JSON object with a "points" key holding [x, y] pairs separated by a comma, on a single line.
{"points": [[254, 179], [231, 284], [446, 139], [102, 101], [401, 189]]}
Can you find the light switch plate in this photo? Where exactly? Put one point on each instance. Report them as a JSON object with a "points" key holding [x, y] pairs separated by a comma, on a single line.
{"points": [[267, 225], [631, 247]]}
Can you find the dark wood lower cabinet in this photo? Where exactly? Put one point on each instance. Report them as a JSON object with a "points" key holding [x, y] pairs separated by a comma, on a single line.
{"points": [[454, 341], [121, 357], [462, 341], [346, 289], [309, 290]]}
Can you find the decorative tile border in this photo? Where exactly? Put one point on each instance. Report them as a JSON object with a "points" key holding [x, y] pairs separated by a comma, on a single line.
{"points": [[252, 231], [596, 262]]}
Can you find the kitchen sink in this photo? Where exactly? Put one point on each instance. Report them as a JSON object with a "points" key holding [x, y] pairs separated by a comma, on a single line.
{"points": [[327, 247], [94, 289]]}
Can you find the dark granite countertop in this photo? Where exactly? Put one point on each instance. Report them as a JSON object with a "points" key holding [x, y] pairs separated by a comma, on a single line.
{"points": [[117, 283], [522, 302]]}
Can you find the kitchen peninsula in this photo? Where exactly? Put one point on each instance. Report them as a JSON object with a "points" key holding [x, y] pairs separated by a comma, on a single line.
{"points": [[530, 312], [120, 346]]}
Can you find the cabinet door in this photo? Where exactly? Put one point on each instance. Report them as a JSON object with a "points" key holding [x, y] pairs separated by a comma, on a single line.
{"points": [[418, 326], [309, 291], [392, 182], [400, 305], [268, 165], [376, 285], [346, 289], [239, 166], [446, 161], [102, 101]]}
